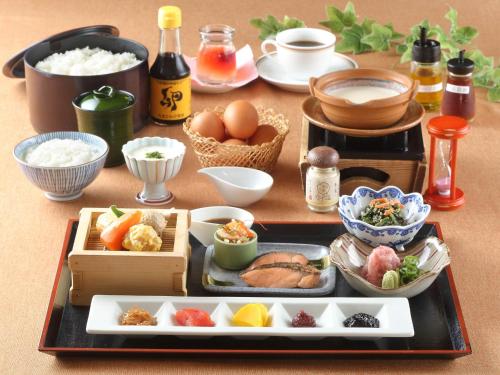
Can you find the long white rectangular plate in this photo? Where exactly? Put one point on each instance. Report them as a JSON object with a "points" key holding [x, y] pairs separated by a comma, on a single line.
{"points": [[393, 314]]}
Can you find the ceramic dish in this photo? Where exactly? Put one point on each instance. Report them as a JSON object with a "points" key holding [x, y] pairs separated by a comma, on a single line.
{"points": [[329, 313], [204, 231], [371, 114], [270, 71], [414, 212], [62, 183], [218, 280], [349, 254], [234, 256], [154, 172], [311, 108], [239, 186]]}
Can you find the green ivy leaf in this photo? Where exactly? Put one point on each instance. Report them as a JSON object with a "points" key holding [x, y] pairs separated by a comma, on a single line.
{"points": [[367, 25], [337, 19], [464, 35], [379, 39], [270, 25], [452, 16], [395, 34], [494, 94], [351, 40]]}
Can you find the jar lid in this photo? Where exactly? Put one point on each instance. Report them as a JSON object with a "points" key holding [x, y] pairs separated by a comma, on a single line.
{"points": [[105, 98], [323, 157], [426, 50], [461, 65]]}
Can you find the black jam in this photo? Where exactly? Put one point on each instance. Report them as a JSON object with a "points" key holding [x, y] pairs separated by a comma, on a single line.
{"points": [[362, 320]]}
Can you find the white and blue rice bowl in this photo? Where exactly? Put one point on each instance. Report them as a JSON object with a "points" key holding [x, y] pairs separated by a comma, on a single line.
{"points": [[415, 212], [62, 183]]}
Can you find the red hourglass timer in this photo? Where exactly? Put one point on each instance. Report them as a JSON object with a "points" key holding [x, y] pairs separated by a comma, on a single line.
{"points": [[445, 131]]}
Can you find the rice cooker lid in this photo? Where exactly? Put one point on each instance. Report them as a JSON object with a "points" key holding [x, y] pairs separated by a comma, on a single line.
{"points": [[14, 67]]}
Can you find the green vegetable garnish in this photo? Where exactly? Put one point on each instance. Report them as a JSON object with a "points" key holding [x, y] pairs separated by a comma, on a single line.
{"points": [[154, 155], [382, 212], [409, 270], [116, 211], [270, 25]]}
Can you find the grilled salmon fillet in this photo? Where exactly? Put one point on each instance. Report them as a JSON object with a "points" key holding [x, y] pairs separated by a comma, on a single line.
{"points": [[281, 275], [279, 257]]}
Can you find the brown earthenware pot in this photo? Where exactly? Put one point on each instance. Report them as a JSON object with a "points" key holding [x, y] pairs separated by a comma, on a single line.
{"points": [[50, 95], [373, 114]]}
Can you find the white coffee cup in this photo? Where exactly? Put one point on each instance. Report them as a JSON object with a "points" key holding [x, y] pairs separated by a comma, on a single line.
{"points": [[303, 62]]}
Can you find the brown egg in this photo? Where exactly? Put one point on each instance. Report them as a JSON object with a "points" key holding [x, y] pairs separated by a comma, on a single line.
{"points": [[263, 134], [209, 124], [241, 119], [234, 141]]}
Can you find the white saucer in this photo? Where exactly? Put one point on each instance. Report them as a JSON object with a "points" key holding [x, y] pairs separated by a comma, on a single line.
{"points": [[270, 71]]}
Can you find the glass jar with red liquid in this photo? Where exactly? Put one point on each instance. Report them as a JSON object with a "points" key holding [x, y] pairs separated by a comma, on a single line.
{"points": [[459, 99], [217, 55]]}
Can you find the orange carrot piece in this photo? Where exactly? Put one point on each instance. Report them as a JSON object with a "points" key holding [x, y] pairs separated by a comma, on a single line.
{"points": [[112, 236]]}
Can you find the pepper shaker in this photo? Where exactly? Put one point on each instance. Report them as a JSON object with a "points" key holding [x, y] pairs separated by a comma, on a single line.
{"points": [[322, 179]]}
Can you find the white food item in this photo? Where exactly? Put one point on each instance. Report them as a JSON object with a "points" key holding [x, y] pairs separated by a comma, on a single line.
{"points": [[361, 94], [140, 153], [87, 61], [61, 153]]}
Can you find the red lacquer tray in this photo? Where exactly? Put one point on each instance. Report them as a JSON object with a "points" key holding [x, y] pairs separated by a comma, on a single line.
{"points": [[437, 318]]}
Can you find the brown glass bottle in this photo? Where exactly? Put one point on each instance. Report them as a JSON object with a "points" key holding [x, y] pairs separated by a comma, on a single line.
{"points": [[170, 74], [459, 99]]}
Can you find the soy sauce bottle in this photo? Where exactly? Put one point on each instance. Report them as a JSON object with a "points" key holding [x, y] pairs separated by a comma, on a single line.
{"points": [[170, 75]]}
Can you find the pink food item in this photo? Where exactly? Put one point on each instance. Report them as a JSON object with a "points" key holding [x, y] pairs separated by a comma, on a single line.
{"points": [[381, 260]]}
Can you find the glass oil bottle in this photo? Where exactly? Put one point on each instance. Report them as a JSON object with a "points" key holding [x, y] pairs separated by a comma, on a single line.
{"points": [[427, 70]]}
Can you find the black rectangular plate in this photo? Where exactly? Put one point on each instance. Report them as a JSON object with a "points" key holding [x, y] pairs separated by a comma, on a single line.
{"points": [[439, 326]]}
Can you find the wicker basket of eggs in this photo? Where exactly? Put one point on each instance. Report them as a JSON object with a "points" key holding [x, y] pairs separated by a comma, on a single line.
{"points": [[239, 135]]}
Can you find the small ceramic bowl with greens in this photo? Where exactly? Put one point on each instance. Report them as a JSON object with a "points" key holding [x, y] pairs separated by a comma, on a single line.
{"points": [[416, 270], [235, 246], [154, 160], [384, 217]]}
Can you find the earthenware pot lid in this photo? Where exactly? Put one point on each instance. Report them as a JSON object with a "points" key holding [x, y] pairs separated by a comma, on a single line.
{"points": [[14, 67]]}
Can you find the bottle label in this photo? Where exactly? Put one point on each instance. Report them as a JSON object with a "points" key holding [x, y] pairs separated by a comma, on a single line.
{"points": [[170, 99], [430, 88], [321, 190], [457, 89]]}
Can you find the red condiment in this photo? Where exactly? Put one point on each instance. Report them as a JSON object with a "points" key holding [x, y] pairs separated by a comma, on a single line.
{"points": [[459, 99]]}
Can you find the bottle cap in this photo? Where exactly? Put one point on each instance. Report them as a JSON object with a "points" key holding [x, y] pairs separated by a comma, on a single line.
{"points": [[169, 17], [460, 65], [426, 50], [323, 157]]}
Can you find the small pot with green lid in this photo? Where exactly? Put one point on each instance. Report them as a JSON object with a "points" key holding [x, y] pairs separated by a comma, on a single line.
{"points": [[108, 113]]}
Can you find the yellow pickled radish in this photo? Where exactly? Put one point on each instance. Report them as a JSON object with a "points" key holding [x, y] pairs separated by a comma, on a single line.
{"points": [[263, 311], [251, 315]]}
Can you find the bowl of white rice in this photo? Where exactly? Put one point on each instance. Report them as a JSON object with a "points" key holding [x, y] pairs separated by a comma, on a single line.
{"points": [[62, 164]]}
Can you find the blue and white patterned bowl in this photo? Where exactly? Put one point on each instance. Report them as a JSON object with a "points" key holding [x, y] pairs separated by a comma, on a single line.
{"points": [[62, 183], [414, 212]]}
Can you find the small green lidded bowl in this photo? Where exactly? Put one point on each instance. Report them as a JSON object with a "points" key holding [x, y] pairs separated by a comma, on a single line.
{"points": [[234, 256]]}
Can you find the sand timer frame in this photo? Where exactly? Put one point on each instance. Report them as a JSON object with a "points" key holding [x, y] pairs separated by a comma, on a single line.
{"points": [[445, 129]]}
